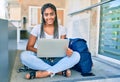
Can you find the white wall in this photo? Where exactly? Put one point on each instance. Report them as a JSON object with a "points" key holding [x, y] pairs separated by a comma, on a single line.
{"points": [[77, 25]]}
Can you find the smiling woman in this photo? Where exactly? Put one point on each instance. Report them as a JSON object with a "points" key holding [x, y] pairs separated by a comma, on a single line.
{"points": [[48, 29]]}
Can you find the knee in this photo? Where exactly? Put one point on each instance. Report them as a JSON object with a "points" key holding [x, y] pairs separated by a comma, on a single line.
{"points": [[76, 55], [24, 55]]}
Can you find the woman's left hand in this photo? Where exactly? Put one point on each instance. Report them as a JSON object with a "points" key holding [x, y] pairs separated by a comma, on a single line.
{"points": [[69, 52]]}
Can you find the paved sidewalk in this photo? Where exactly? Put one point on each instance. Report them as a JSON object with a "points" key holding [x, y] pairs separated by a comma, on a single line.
{"points": [[104, 72]]}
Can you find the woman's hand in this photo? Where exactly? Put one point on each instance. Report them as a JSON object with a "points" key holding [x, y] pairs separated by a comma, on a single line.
{"points": [[69, 52]]}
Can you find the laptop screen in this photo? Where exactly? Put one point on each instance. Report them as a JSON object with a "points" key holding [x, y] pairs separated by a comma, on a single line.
{"points": [[52, 47]]}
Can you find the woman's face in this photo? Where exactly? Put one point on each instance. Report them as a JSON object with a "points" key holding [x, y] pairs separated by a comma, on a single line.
{"points": [[49, 16]]}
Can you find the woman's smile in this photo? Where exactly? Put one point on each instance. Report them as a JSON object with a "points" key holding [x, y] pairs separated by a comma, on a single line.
{"points": [[49, 16]]}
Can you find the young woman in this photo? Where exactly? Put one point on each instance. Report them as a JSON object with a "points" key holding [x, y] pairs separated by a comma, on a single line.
{"points": [[48, 29]]}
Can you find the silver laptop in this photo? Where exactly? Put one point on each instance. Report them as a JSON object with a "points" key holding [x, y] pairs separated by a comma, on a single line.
{"points": [[52, 47]]}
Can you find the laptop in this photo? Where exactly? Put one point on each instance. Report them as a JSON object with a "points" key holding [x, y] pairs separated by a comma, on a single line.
{"points": [[52, 47]]}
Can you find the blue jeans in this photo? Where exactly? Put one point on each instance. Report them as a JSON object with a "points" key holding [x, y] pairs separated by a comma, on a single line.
{"points": [[30, 59]]}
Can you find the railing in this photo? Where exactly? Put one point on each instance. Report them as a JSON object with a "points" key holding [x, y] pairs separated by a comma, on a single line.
{"points": [[90, 7]]}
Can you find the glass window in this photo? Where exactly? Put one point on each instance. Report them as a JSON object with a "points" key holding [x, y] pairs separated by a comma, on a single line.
{"points": [[109, 43]]}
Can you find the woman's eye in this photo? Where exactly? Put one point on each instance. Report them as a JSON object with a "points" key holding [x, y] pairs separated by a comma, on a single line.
{"points": [[51, 14], [46, 14]]}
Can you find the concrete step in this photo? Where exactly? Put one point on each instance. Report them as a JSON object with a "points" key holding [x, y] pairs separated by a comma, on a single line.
{"points": [[104, 72]]}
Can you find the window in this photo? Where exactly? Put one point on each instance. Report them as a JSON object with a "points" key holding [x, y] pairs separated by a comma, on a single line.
{"points": [[109, 43]]}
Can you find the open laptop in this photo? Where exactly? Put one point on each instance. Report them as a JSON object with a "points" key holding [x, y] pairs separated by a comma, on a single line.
{"points": [[52, 47]]}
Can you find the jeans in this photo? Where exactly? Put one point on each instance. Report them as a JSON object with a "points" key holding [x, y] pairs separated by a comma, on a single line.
{"points": [[30, 59]]}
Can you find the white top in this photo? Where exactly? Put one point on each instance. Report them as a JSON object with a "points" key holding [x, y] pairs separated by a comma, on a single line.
{"points": [[36, 32]]}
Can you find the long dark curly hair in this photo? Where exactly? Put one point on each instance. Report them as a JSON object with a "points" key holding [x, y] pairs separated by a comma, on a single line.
{"points": [[56, 34]]}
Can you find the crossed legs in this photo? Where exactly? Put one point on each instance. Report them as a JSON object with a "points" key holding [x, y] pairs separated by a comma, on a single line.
{"points": [[30, 59]]}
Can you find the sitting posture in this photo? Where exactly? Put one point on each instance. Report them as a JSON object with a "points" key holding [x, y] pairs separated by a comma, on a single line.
{"points": [[48, 29]]}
